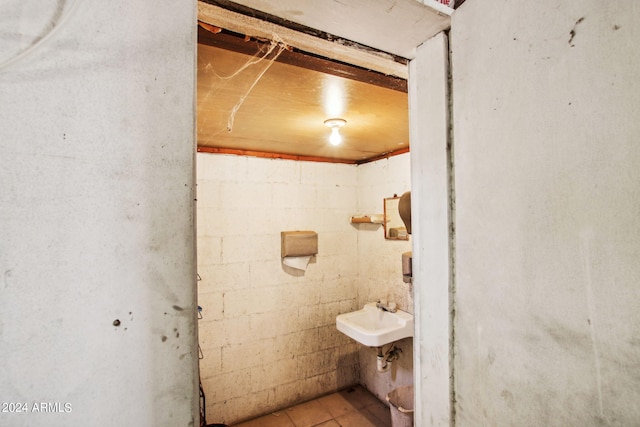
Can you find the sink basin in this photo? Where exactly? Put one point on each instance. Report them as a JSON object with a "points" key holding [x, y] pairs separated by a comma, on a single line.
{"points": [[374, 327]]}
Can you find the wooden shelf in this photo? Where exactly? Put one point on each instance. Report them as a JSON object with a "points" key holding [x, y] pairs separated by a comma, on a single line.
{"points": [[367, 219]]}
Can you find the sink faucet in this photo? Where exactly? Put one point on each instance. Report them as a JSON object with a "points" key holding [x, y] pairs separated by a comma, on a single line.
{"points": [[391, 307]]}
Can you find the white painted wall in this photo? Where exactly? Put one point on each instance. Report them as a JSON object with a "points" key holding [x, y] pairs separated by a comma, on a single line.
{"points": [[547, 212], [428, 105], [96, 214]]}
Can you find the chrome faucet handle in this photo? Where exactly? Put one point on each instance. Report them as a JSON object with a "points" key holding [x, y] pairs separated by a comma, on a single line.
{"points": [[390, 307]]}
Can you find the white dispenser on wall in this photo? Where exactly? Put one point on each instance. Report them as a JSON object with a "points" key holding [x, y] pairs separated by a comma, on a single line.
{"points": [[404, 209], [407, 267]]}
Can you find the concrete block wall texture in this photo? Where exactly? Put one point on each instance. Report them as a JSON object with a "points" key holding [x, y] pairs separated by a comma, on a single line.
{"points": [[380, 260], [380, 268], [268, 333]]}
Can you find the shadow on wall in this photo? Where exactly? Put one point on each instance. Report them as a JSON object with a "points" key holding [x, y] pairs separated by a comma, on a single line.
{"points": [[349, 369]]}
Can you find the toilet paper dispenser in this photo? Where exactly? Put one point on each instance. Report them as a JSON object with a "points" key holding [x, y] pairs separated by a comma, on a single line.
{"points": [[298, 247], [299, 243]]}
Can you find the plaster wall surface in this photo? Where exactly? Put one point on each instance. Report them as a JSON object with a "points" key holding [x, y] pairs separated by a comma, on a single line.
{"points": [[430, 196], [545, 113], [97, 288]]}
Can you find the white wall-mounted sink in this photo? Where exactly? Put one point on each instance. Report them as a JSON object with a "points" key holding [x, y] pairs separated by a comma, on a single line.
{"points": [[375, 327]]}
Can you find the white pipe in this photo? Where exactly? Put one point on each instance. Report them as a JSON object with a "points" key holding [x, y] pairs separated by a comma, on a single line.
{"points": [[382, 365], [383, 360]]}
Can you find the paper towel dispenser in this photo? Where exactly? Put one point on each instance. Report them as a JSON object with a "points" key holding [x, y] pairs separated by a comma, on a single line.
{"points": [[404, 209], [407, 267], [298, 243]]}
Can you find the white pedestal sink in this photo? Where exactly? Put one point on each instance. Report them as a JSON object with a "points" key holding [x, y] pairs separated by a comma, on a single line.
{"points": [[375, 327]]}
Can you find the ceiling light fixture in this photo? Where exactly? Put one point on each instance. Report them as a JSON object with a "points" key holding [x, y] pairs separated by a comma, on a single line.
{"points": [[335, 124]]}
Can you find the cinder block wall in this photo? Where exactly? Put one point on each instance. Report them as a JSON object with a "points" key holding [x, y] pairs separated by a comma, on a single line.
{"points": [[268, 335], [380, 268]]}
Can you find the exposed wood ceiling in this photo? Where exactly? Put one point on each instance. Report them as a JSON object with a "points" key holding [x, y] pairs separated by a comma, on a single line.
{"points": [[281, 105], [284, 112]]}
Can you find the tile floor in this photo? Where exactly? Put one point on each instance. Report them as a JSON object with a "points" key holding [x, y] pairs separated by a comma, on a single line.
{"points": [[353, 407]]}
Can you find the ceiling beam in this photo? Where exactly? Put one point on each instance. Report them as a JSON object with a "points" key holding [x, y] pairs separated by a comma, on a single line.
{"points": [[338, 49], [224, 39]]}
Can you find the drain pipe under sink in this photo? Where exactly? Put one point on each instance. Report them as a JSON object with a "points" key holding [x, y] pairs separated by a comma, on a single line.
{"points": [[384, 359]]}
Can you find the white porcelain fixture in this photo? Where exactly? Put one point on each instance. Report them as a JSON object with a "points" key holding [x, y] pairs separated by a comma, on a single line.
{"points": [[375, 327]]}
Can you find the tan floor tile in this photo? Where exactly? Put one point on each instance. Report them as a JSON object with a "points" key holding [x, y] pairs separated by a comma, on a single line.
{"points": [[330, 423], [360, 419], [361, 397], [381, 411], [353, 407], [348, 400], [336, 404], [277, 419], [308, 414]]}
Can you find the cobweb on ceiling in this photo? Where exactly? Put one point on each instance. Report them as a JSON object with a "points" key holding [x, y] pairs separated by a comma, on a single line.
{"points": [[230, 84]]}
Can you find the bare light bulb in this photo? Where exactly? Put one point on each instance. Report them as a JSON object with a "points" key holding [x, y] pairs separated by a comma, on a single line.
{"points": [[335, 138], [335, 124]]}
